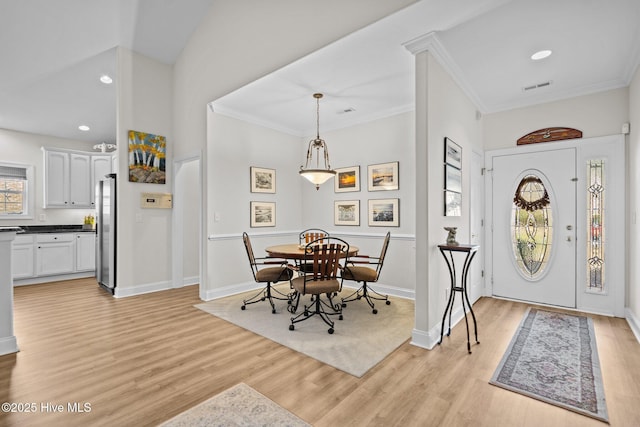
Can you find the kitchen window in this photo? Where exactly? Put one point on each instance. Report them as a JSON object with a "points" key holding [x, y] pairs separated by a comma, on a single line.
{"points": [[15, 188]]}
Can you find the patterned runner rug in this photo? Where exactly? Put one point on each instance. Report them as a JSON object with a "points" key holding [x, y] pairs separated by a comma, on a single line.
{"points": [[239, 405], [553, 357]]}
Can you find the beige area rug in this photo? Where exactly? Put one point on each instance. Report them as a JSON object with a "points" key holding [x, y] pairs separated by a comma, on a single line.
{"points": [[239, 405], [359, 342]]}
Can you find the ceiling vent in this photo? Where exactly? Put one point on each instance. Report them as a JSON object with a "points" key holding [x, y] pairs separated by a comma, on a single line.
{"points": [[536, 86]]}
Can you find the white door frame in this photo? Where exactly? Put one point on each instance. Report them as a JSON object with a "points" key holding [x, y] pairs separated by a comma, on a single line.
{"points": [[179, 204], [616, 275]]}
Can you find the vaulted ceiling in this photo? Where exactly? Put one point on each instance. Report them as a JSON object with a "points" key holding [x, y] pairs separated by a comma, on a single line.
{"points": [[59, 49]]}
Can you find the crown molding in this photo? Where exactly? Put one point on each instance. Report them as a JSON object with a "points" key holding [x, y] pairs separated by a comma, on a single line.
{"points": [[431, 43]]}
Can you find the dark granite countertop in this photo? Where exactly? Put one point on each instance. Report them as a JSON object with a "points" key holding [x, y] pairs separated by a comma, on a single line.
{"points": [[7, 229], [37, 229]]}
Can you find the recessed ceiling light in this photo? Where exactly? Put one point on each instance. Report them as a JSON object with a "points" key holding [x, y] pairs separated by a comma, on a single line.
{"points": [[84, 128], [106, 79], [540, 55]]}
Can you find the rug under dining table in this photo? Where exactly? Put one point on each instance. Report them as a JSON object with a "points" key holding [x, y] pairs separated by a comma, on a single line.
{"points": [[359, 342]]}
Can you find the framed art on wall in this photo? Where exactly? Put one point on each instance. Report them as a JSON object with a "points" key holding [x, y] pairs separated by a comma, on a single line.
{"points": [[346, 212], [452, 203], [452, 179], [263, 214], [147, 157], [347, 179], [452, 153], [383, 177], [263, 180], [384, 213]]}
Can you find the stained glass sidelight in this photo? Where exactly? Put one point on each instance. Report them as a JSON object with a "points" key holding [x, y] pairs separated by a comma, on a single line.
{"points": [[531, 226], [595, 226]]}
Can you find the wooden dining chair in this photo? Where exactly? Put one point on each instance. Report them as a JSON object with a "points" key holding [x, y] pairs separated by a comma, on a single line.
{"points": [[356, 271], [311, 234], [262, 274], [322, 262], [307, 236]]}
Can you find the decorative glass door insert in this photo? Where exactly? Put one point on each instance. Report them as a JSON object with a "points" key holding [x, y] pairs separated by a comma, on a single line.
{"points": [[532, 228]]}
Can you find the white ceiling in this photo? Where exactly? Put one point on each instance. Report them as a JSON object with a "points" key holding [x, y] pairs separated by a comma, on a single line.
{"points": [[54, 52], [60, 48]]}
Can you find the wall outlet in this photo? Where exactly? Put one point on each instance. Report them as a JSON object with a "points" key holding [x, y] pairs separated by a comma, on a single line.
{"points": [[42, 217], [138, 217]]}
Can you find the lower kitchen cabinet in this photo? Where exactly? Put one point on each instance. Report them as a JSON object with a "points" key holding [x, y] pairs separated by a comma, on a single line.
{"points": [[23, 257], [43, 257], [54, 253], [85, 251]]}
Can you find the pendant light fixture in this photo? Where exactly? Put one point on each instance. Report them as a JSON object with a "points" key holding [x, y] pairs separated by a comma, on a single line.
{"points": [[317, 175]]}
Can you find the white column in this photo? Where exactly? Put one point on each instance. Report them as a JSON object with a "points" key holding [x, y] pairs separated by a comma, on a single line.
{"points": [[8, 343]]}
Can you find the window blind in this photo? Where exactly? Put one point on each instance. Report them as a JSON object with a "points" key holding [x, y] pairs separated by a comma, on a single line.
{"points": [[11, 172]]}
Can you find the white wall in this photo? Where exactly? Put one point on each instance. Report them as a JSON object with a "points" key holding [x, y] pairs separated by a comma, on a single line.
{"points": [[26, 148], [234, 146], [598, 114], [144, 245], [633, 171]]}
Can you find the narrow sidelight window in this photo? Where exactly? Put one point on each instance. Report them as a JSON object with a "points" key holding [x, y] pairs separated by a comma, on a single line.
{"points": [[595, 226]]}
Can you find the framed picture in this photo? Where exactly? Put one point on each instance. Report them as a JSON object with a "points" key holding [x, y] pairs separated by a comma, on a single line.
{"points": [[452, 153], [384, 213], [263, 180], [452, 203], [347, 179], [263, 214], [452, 179], [346, 212], [383, 177], [147, 157]]}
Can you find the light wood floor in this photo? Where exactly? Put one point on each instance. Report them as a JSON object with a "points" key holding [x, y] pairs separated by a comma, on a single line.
{"points": [[141, 360]]}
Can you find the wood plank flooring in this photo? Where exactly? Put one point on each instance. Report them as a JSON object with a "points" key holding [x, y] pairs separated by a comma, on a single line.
{"points": [[141, 360]]}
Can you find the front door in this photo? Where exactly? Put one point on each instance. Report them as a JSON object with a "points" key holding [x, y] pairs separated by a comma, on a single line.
{"points": [[534, 219]]}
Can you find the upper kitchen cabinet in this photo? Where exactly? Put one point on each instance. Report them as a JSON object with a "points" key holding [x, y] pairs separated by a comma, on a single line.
{"points": [[70, 177]]}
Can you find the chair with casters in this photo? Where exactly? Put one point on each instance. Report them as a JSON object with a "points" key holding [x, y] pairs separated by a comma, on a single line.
{"points": [[306, 236], [311, 234], [322, 260], [356, 271], [278, 272]]}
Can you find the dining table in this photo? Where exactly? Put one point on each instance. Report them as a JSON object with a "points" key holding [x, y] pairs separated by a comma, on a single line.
{"points": [[296, 251]]}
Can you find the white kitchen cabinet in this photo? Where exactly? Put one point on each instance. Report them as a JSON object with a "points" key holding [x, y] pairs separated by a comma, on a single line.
{"points": [[70, 177], [100, 166], [85, 251], [56, 179], [23, 257], [80, 180], [54, 253]]}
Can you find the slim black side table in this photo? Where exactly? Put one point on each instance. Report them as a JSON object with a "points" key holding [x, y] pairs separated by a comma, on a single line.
{"points": [[471, 251]]}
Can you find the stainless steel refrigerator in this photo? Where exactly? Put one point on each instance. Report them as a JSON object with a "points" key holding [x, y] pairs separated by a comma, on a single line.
{"points": [[106, 232]]}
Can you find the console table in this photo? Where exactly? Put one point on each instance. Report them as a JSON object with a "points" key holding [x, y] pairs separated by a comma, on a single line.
{"points": [[447, 252]]}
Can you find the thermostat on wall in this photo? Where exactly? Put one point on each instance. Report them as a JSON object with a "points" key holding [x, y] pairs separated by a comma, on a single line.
{"points": [[155, 200]]}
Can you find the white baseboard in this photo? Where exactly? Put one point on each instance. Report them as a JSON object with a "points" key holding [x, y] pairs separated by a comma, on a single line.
{"points": [[188, 281], [424, 339], [8, 345], [227, 291], [47, 279], [393, 291], [141, 289], [429, 339], [634, 323]]}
